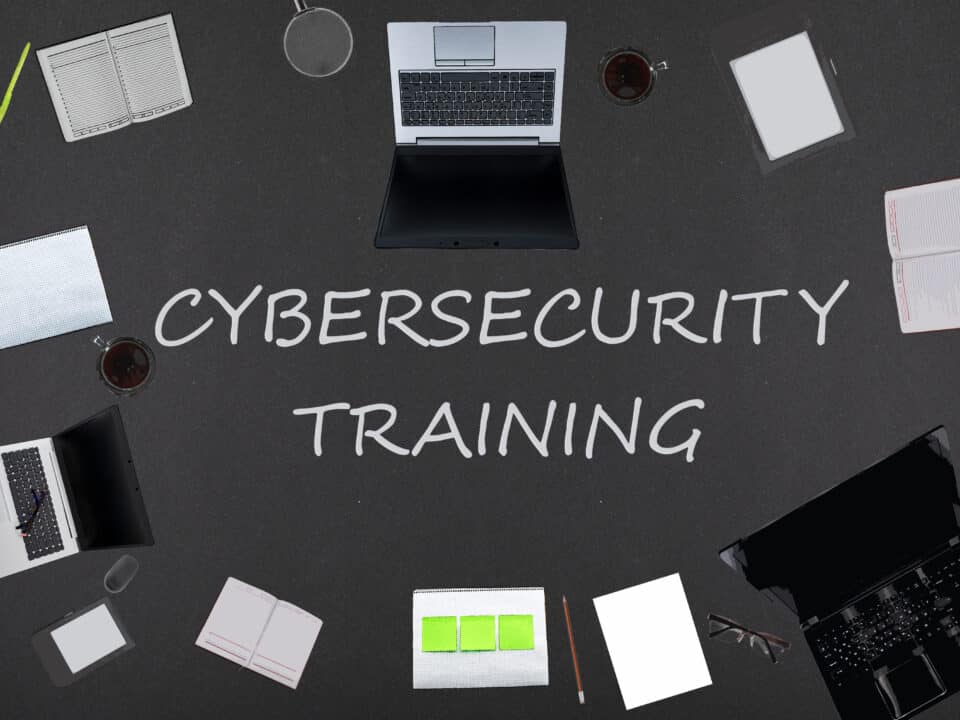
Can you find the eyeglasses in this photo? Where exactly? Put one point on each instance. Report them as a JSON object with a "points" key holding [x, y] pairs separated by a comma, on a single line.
{"points": [[27, 525], [726, 630]]}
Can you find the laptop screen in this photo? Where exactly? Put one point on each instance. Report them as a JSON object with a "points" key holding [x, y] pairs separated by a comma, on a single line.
{"points": [[468, 197], [850, 539], [101, 483]]}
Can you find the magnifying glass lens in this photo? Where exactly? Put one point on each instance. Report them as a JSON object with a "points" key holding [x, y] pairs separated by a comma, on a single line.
{"points": [[318, 42]]}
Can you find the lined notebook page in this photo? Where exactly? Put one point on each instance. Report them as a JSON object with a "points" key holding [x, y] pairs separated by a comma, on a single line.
{"points": [[237, 621], [84, 86], [106, 81], [923, 220], [286, 644], [928, 292], [150, 67]]}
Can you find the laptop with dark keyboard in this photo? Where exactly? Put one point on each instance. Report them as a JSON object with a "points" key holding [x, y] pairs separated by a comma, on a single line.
{"points": [[31, 500], [508, 97], [872, 569], [477, 110], [72, 492]]}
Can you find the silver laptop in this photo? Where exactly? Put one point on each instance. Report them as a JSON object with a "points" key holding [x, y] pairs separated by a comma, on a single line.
{"points": [[75, 491], [36, 522], [476, 114]]}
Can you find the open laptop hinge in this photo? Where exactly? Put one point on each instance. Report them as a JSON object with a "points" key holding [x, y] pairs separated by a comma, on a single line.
{"points": [[809, 623], [479, 141]]}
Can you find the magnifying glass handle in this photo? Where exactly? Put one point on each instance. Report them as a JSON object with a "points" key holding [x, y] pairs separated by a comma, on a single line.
{"points": [[300, 5]]}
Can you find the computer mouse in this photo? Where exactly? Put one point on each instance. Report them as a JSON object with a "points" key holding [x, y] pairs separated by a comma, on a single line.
{"points": [[120, 575]]}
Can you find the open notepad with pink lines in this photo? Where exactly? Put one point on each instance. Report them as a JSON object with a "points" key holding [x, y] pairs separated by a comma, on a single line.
{"points": [[255, 630]]}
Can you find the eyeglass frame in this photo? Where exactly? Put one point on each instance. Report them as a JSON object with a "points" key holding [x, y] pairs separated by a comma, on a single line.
{"points": [[769, 640]]}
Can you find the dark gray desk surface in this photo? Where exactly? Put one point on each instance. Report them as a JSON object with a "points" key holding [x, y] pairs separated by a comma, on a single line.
{"points": [[276, 179]]}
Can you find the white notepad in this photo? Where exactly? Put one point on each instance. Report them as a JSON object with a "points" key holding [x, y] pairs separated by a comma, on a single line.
{"points": [[923, 235], [50, 285], [652, 641], [91, 636], [787, 96], [106, 81], [497, 668], [255, 630]]}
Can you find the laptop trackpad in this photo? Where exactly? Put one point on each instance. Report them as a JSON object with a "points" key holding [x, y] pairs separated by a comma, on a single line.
{"points": [[909, 686], [463, 45]]}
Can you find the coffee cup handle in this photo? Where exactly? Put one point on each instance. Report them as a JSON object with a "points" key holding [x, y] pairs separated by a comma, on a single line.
{"points": [[661, 65], [100, 342]]}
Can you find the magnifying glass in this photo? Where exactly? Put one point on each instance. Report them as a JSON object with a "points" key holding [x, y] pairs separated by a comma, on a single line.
{"points": [[318, 41]]}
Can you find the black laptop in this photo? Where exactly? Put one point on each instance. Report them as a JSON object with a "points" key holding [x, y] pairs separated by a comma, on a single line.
{"points": [[872, 570]]}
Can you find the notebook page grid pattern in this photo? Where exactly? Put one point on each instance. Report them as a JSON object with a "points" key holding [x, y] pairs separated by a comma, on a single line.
{"points": [[49, 286]]}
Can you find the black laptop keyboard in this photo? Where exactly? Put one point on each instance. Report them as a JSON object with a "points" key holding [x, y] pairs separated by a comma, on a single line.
{"points": [[505, 97], [25, 476], [924, 605]]}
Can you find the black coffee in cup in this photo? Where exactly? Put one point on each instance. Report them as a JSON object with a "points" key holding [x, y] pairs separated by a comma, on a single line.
{"points": [[126, 364], [627, 76]]}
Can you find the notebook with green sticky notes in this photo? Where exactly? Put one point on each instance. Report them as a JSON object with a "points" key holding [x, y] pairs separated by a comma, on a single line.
{"points": [[516, 632], [472, 638], [478, 633], [439, 634]]}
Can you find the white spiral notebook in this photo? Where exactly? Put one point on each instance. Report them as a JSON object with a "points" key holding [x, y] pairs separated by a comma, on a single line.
{"points": [[50, 285]]}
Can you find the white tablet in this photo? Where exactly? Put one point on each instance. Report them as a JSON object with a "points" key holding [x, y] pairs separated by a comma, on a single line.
{"points": [[81, 642], [787, 96]]}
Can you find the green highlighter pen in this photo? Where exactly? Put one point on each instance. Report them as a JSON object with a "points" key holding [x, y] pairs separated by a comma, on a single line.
{"points": [[13, 81]]}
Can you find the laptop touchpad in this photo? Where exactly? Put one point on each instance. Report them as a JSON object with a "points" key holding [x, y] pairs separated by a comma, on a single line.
{"points": [[910, 686], [463, 45]]}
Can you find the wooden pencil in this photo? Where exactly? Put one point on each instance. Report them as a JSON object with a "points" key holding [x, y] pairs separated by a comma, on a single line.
{"points": [[573, 650]]}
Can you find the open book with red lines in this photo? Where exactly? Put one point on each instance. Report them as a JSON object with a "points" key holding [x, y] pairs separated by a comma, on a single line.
{"points": [[923, 235], [255, 630]]}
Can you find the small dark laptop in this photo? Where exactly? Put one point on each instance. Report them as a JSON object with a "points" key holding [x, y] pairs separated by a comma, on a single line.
{"points": [[872, 570], [476, 113], [72, 492]]}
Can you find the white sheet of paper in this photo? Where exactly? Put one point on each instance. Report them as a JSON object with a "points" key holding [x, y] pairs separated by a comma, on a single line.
{"points": [[88, 638], [49, 286], [652, 641], [787, 96], [509, 668]]}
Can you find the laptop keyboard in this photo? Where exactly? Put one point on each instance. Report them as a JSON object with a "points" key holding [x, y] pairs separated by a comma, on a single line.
{"points": [[920, 606], [25, 475], [506, 97]]}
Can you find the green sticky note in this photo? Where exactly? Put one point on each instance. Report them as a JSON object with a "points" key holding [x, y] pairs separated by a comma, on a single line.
{"points": [[478, 632], [439, 634], [516, 632]]}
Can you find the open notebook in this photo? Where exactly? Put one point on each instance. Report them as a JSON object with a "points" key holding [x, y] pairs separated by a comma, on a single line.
{"points": [[255, 630], [923, 234], [107, 81]]}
